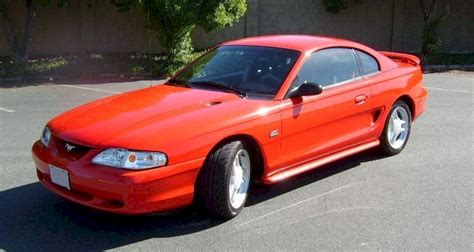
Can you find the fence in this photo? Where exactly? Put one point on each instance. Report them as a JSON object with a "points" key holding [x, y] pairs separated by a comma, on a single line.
{"points": [[382, 24]]}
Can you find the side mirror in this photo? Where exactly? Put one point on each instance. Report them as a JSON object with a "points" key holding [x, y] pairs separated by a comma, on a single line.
{"points": [[306, 89]]}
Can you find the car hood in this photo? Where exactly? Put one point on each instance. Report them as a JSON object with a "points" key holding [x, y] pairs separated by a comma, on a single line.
{"points": [[148, 118]]}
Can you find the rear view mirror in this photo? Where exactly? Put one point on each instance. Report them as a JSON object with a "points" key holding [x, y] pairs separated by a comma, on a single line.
{"points": [[306, 89]]}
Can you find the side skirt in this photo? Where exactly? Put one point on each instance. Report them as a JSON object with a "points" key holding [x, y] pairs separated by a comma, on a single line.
{"points": [[279, 176]]}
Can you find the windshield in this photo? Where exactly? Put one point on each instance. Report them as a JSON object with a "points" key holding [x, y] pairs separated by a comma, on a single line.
{"points": [[252, 70]]}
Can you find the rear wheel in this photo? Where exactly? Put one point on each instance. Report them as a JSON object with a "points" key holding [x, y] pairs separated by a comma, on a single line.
{"points": [[397, 129], [224, 181]]}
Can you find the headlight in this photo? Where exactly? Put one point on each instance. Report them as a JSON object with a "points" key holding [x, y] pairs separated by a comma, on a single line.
{"points": [[46, 136], [133, 160]]}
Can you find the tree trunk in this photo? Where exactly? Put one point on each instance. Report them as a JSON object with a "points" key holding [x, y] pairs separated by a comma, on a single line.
{"points": [[9, 29], [25, 44], [19, 45]]}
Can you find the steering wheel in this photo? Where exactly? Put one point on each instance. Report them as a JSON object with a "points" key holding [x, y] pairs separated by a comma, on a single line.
{"points": [[270, 81]]}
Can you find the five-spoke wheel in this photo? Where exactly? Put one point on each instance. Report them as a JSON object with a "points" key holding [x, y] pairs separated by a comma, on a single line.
{"points": [[239, 179], [397, 129]]}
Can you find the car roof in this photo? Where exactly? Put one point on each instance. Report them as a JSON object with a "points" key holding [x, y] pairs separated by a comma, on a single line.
{"points": [[295, 42]]}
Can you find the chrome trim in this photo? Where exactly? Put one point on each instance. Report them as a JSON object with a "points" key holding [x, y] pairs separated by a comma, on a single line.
{"points": [[371, 74], [357, 59], [342, 82]]}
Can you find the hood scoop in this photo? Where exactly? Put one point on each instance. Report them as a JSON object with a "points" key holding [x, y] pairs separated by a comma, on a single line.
{"points": [[211, 103]]}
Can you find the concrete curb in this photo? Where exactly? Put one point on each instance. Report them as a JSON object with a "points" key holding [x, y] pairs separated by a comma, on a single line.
{"points": [[113, 76], [439, 68], [52, 79]]}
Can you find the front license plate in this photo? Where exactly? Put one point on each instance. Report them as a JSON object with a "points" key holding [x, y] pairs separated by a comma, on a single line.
{"points": [[59, 176]]}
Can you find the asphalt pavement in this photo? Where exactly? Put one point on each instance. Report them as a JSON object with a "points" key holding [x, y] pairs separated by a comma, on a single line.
{"points": [[421, 199]]}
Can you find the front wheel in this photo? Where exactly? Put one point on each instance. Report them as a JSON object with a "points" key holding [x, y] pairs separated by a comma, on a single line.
{"points": [[224, 181], [397, 129]]}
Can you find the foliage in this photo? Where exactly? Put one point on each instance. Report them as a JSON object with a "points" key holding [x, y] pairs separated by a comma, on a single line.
{"points": [[158, 65], [174, 20], [91, 66], [334, 6], [431, 43], [448, 59], [8, 68], [136, 66], [19, 38]]}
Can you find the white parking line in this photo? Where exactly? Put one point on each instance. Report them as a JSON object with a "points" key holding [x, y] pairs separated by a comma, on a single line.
{"points": [[91, 89], [450, 90], [301, 202], [7, 110], [451, 77]]}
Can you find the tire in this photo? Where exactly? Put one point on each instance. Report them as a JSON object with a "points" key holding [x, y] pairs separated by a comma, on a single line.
{"points": [[393, 140], [219, 174]]}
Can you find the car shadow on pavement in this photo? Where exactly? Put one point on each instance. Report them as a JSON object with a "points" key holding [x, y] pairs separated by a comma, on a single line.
{"points": [[32, 218]]}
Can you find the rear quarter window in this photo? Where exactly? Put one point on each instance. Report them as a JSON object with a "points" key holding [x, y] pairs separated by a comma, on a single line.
{"points": [[369, 64]]}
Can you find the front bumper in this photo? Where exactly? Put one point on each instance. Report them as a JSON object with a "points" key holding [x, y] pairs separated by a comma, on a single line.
{"points": [[116, 190]]}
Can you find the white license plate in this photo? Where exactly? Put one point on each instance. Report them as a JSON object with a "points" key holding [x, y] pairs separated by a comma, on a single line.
{"points": [[59, 176]]}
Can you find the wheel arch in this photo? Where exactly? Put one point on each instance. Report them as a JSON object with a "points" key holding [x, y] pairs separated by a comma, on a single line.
{"points": [[256, 155], [409, 101], [258, 159]]}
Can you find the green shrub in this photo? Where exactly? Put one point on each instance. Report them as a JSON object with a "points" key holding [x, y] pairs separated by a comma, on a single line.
{"points": [[34, 67], [159, 65], [334, 6], [174, 20]]}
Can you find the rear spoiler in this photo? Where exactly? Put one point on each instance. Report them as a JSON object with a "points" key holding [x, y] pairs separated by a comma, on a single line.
{"points": [[403, 57]]}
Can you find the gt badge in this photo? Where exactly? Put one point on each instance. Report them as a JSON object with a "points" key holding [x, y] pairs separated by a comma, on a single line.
{"points": [[274, 133]]}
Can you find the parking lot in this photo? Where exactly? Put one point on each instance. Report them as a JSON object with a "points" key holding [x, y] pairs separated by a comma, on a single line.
{"points": [[420, 199]]}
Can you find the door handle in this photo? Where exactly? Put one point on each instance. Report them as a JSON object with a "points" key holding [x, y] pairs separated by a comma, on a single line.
{"points": [[360, 99]]}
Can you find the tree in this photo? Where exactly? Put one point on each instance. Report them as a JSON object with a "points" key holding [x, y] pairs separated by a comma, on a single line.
{"points": [[431, 41], [19, 42], [19, 39], [174, 20], [334, 6]]}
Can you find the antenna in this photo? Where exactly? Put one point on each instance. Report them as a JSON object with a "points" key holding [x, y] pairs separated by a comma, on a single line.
{"points": [[149, 48]]}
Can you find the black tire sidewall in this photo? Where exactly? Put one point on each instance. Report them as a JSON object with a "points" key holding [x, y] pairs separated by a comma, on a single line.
{"points": [[212, 186]]}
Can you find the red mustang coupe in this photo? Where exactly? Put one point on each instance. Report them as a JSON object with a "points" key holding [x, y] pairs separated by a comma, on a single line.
{"points": [[263, 108]]}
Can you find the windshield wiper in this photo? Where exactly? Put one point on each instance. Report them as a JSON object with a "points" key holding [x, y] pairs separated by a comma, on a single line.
{"points": [[220, 86], [178, 82]]}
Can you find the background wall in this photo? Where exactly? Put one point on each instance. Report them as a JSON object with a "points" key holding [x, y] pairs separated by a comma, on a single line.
{"points": [[382, 24]]}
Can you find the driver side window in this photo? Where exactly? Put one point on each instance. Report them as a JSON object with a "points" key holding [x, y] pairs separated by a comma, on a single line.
{"points": [[329, 66]]}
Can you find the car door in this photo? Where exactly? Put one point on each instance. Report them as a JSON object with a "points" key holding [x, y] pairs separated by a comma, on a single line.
{"points": [[339, 117]]}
